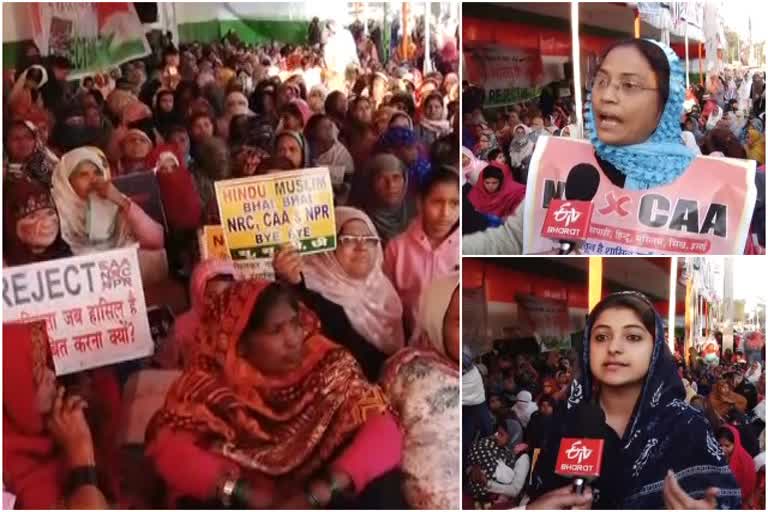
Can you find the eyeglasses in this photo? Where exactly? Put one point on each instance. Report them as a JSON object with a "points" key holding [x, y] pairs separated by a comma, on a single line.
{"points": [[356, 240], [625, 86]]}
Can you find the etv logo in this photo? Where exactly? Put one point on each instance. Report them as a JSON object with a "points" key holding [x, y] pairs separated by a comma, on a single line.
{"points": [[578, 451], [566, 214]]}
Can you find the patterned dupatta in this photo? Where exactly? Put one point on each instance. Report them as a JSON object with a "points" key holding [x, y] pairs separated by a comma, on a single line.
{"points": [[290, 424]]}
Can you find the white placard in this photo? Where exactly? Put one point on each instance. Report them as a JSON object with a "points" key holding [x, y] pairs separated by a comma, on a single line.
{"points": [[93, 306]]}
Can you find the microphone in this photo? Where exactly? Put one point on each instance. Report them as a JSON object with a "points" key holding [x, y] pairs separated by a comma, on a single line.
{"points": [[580, 187], [581, 449]]}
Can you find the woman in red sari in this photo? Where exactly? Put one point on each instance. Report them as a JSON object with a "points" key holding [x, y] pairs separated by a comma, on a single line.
{"points": [[273, 415], [50, 458]]}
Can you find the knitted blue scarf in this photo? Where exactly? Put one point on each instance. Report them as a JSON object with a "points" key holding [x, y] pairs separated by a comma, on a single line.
{"points": [[663, 157]]}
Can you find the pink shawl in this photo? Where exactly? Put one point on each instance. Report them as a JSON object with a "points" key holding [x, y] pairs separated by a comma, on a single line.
{"points": [[501, 203], [371, 304]]}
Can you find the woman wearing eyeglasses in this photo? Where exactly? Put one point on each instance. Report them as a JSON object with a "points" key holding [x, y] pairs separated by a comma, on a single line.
{"points": [[632, 119], [357, 305]]}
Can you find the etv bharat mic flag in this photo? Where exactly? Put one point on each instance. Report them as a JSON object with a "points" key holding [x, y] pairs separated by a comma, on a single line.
{"points": [[94, 36]]}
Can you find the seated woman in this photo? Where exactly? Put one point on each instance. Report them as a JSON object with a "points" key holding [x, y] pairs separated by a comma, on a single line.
{"points": [[49, 458], [31, 224], [381, 189], [423, 386], [81, 182], [209, 278], [357, 304], [273, 414], [27, 156], [432, 120], [722, 399], [496, 194], [496, 470], [631, 389]]}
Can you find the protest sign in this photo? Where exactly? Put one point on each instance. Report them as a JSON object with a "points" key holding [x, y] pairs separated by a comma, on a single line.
{"points": [[507, 74], [547, 319], [95, 36], [261, 213], [93, 307], [142, 188], [707, 210], [213, 246]]}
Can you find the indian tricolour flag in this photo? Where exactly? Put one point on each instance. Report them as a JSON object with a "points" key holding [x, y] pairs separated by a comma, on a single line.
{"points": [[95, 36]]}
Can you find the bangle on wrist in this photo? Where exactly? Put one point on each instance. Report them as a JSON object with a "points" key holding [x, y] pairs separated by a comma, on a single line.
{"points": [[227, 491], [80, 476]]}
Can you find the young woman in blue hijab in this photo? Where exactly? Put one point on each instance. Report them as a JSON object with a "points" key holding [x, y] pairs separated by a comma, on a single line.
{"points": [[659, 452]]}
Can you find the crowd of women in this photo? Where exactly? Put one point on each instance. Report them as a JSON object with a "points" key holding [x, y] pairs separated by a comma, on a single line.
{"points": [[725, 117], [674, 427], [337, 385]]}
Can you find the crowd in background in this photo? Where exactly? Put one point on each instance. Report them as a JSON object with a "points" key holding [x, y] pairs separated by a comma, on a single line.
{"points": [[724, 117], [376, 320], [512, 394]]}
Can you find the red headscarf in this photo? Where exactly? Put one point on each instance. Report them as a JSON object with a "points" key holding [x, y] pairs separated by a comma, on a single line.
{"points": [[501, 203], [21, 198], [742, 466], [32, 469], [180, 199]]}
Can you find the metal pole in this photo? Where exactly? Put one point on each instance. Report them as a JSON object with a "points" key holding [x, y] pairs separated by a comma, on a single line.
{"points": [[576, 56], [672, 304], [427, 53], [404, 42], [687, 61]]}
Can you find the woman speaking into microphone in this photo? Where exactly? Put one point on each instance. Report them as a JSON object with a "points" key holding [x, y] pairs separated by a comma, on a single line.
{"points": [[632, 119], [659, 452]]}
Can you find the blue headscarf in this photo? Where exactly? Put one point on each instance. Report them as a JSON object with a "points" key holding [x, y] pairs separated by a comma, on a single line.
{"points": [[398, 136], [663, 157], [664, 433]]}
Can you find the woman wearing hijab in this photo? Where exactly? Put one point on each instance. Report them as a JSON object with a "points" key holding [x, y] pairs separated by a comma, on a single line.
{"points": [[27, 155], [347, 288], [336, 108], [471, 166], [25, 93], [382, 191], [524, 407], [496, 194], [422, 384], [49, 457], [520, 151], [633, 123], [659, 452], [722, 399], [402, 143], [272, 414], [741, 463], [81, 183], [432, 120], [209, 278], [31, 224], [327, 151], [494, 469], [165, 115], [181, 201]]}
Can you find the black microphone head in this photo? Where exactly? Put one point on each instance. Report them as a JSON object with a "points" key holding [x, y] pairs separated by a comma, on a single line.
{"points": [[582, 182]]}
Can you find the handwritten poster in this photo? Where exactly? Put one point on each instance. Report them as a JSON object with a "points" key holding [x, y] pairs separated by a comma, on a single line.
{"points": [[547, 319], [93, 307], [261, 213], [214, 247]]}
